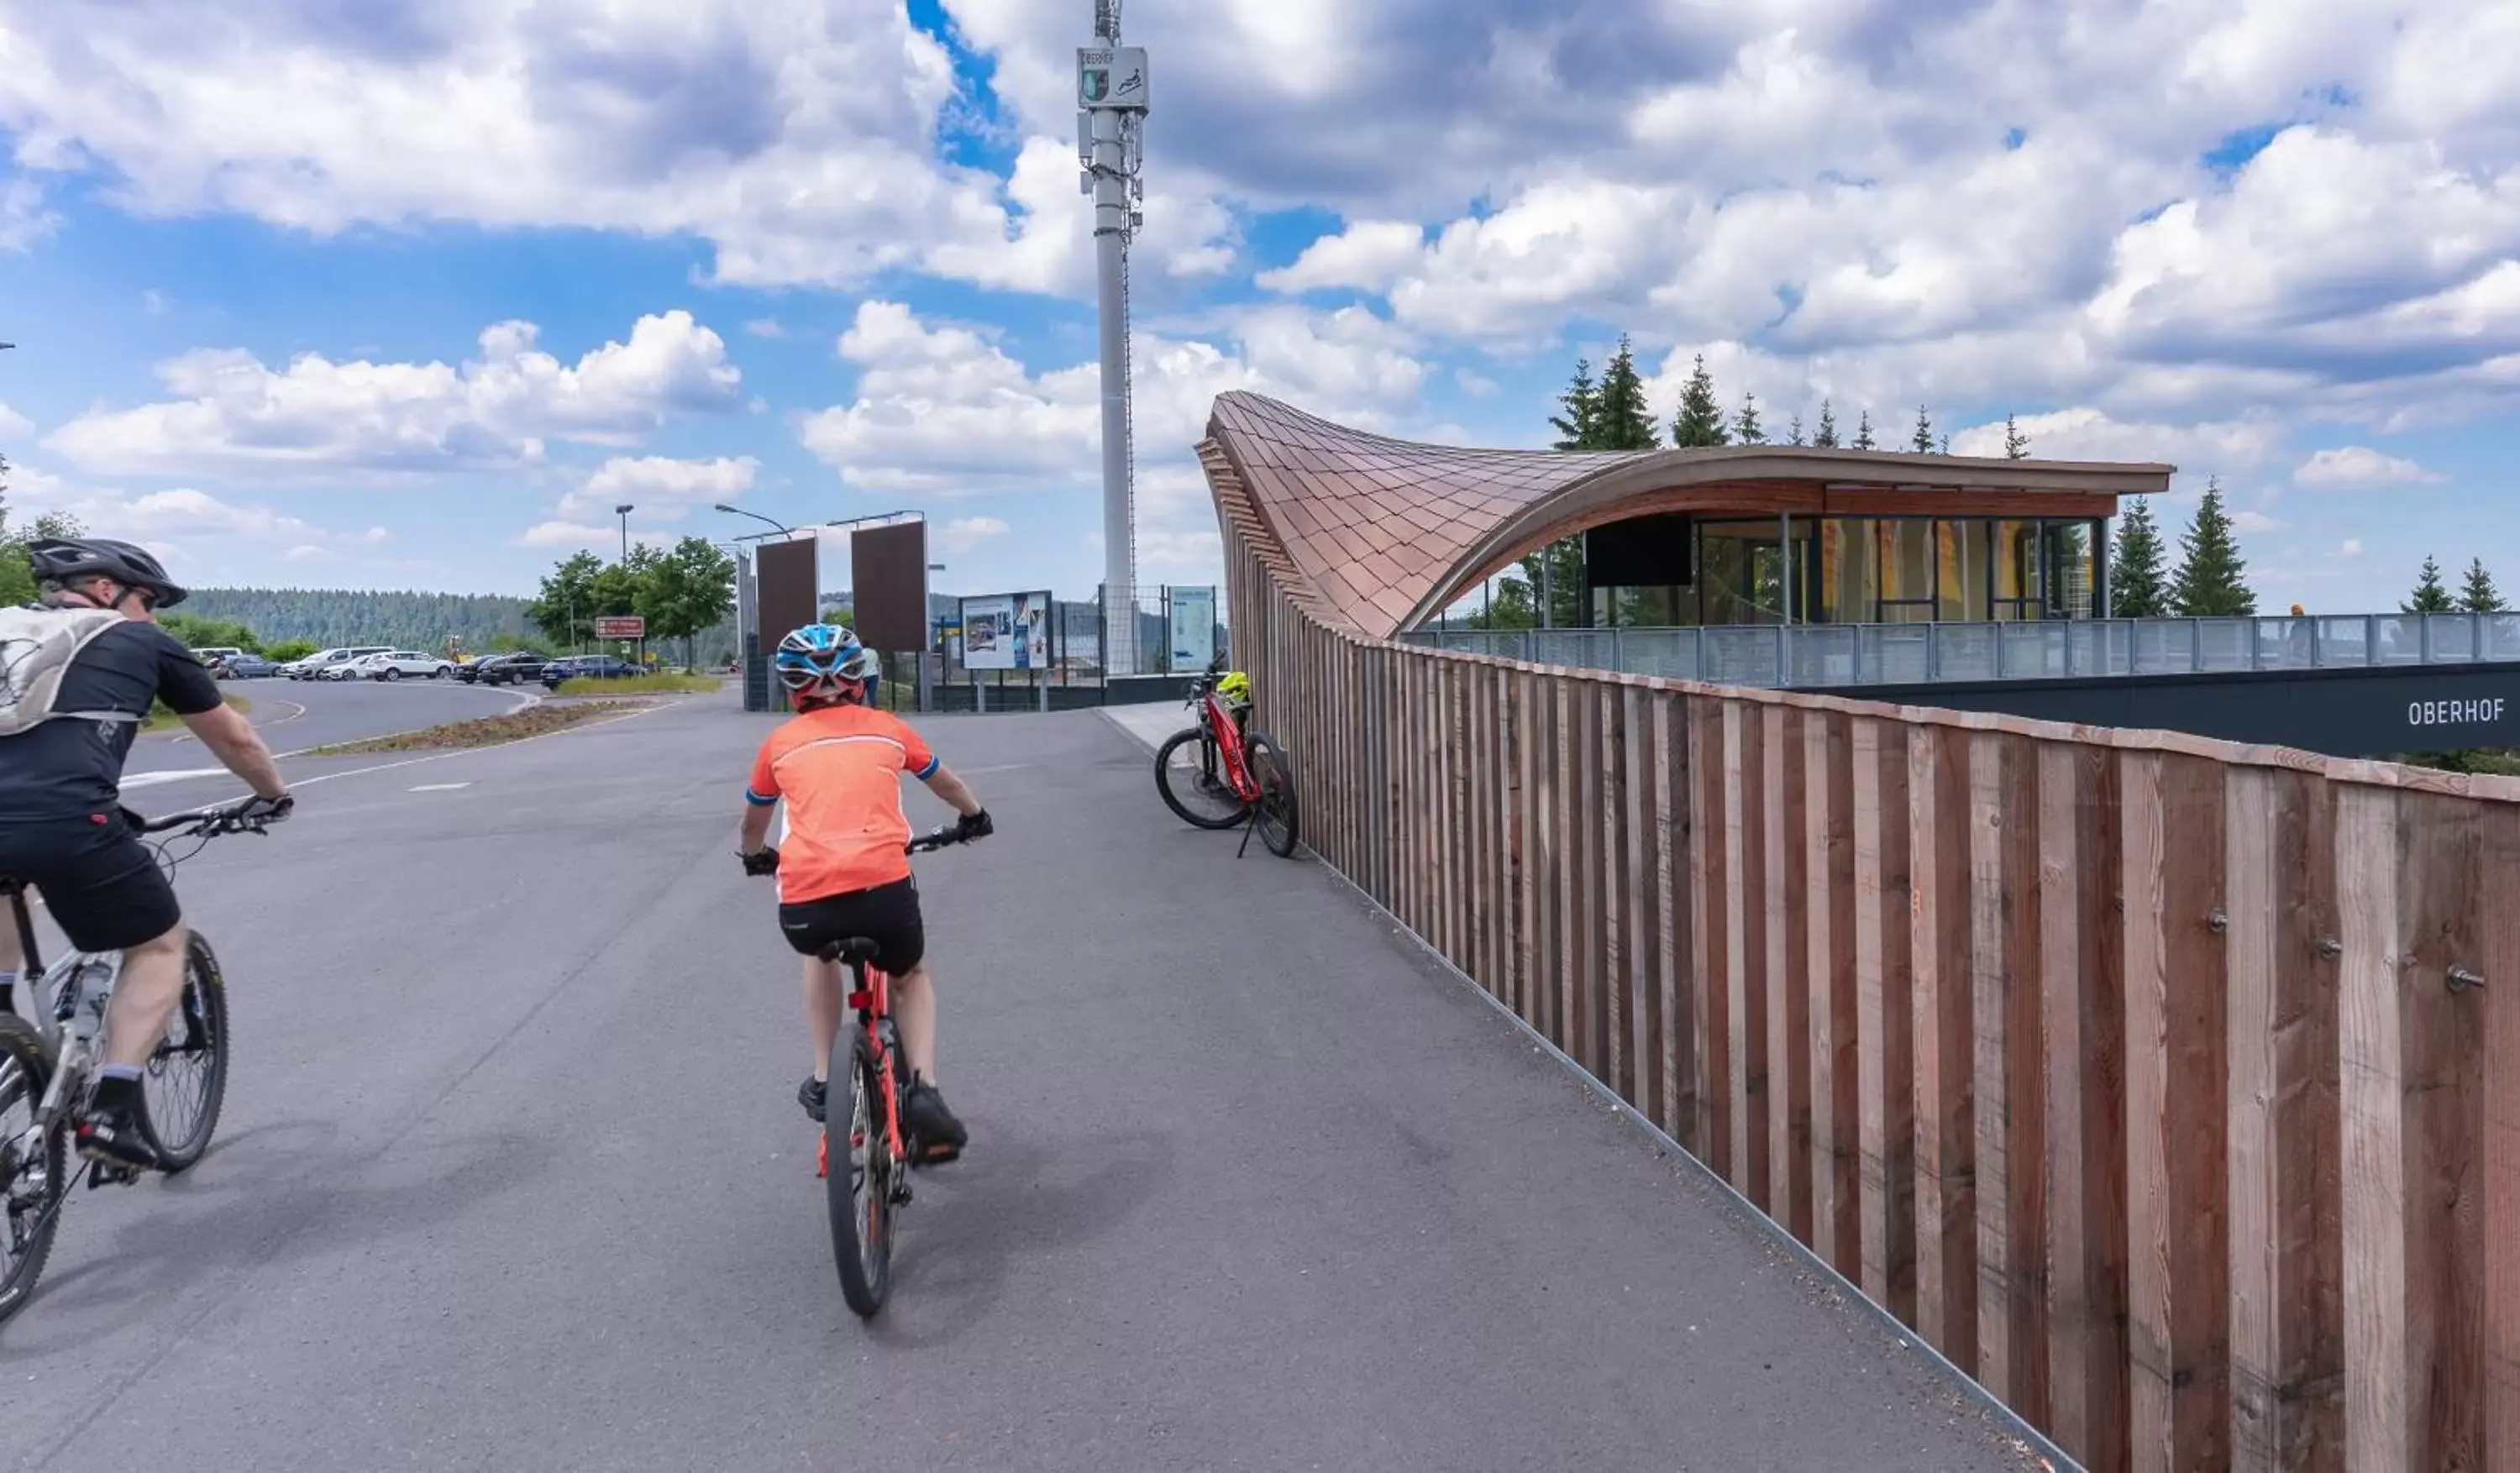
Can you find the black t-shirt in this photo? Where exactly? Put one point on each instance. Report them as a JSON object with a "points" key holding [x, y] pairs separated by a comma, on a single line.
{"points": [[66, 767]]}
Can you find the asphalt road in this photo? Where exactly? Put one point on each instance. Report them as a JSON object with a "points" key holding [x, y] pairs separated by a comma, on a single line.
{"points": [[512, 1175], [293, 715]]}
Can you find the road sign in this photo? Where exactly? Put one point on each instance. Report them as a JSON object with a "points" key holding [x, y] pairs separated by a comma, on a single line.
{"points": [[620, 627], [1112, 76]]}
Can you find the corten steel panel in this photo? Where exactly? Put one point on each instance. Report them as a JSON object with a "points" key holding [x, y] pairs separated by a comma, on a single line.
{"points": [[1389, 531], [784, 593], [888, 581]]}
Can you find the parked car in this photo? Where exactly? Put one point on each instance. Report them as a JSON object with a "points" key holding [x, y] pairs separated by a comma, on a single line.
{"points": [[395, 664], [503, 670], [212, 654], [331, 664], [587, 667], [243, 667]]}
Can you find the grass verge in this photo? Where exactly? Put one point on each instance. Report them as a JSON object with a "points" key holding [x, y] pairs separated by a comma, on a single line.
{"points": [[539, 720], [161, 716], [640, 684]]}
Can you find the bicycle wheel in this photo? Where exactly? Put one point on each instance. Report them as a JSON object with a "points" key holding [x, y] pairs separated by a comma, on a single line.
{"points": [[1276, 779], [861, 1179], [187, 1079], [1189, 773], [31, 1182]]}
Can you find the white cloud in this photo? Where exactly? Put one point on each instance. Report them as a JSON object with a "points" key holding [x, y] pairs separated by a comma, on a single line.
{"points": [[765, 327], [2352, 547], [1367, 256], [2358, 467], [581, 536], [942, 410], [660, 488], [13, 424], [2254, 521], [796, 137], [1476, 385], [154, 303], [23, 219], [375, 536], [321, 418], [964, 534]]}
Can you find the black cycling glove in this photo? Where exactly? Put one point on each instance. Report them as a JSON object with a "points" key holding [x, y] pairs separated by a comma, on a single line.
{"points": [[974, 826], [765, 862], [259, 810]]}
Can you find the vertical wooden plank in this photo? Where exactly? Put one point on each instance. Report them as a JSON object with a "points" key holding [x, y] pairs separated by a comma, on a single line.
{"points": [[1946, 1128], [1746, 951], [1711, 927], [2080, 996], [2498, 875], [1785, 899], [1836, 1139], [2178, 1262], [1584, 955], [2009, 1073], [1566, 887], [1618, 814], [2286, 1321], [1521, 843], [1643, 1023], [1675, 799], [1885, 1051], [2439, 841], [2371, 1089]]}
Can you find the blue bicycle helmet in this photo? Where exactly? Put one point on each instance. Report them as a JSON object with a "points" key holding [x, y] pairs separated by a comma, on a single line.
{"points": [[820, 656]]}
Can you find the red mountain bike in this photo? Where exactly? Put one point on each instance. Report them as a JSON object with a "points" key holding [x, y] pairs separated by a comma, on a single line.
{"points": [[875, 1181], [1220, 774]]}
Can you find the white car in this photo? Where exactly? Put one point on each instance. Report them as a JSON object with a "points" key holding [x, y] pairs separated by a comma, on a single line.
{"points": [[331, 664], [395, 664]]}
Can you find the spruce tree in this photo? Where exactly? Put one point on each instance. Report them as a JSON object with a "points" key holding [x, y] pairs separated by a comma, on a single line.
{"points": [[2136, 589], [2480, 595], [1923, 441], [1825, 437], [1794, 429], [1700, 420], [2017, 445], [1621, 419], [2430, 596], [2212, 579], [1863, 432], [1580, 406], [1945, 447], [1746, 429]]}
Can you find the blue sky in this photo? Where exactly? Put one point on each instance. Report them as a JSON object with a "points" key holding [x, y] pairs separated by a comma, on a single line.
{"points": [[267, 260]]}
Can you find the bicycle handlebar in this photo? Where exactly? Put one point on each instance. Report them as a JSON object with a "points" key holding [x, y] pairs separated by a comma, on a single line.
{"points": [[211, 821]]}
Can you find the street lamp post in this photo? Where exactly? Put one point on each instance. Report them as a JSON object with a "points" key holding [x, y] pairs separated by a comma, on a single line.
{"points": [[755, 515]]}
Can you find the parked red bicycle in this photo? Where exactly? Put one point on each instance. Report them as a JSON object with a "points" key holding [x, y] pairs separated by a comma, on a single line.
{"points": [[1220, 774]]}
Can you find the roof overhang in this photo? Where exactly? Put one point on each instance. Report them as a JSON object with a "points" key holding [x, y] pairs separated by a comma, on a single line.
{"points": [[1390, 532]]}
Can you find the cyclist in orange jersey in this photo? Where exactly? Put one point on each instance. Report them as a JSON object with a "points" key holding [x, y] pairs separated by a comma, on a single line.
{"points": [[842, 861]]}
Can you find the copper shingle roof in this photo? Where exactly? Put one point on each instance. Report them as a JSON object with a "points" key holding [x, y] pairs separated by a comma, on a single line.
{"points": [[1387, 532]]}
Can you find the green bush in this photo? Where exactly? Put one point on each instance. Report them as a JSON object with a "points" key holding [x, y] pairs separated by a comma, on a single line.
{"points": [[640, 684], [290, 650]]}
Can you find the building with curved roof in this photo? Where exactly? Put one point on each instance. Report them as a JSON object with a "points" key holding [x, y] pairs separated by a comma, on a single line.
{"points": [[1381, 535]]}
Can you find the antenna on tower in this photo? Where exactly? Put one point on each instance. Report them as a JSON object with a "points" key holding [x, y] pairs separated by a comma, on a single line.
{"points": [[1110, 129]]}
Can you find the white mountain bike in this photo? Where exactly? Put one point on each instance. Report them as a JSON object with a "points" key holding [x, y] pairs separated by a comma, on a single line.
{"points": [[45, 1065]]}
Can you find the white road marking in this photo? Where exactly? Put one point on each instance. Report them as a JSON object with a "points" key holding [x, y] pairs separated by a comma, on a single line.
{"points": [[439, 787], [151, 780]]}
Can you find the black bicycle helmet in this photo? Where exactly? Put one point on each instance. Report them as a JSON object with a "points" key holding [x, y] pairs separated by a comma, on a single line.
{"points": [[63, 559]]}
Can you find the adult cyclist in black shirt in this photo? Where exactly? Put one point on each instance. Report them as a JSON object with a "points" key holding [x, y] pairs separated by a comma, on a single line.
{"points": [[62, 825]]}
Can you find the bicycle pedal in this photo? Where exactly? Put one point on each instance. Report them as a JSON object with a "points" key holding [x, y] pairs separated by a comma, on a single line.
{"points": [[101, 1175]]}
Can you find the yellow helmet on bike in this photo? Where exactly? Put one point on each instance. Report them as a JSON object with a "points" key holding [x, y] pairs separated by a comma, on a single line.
{"points": [[1235, 688]]}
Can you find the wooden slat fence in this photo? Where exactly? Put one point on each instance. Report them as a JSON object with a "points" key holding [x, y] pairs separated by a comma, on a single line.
{"points": [[2142, 1076]]}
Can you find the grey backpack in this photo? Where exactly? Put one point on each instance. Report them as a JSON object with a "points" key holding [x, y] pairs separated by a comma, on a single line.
{"points": [[37, 647]]}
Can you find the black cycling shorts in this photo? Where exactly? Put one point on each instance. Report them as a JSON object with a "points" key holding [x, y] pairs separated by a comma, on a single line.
{"points": [[99, 880], [887, 916]]}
